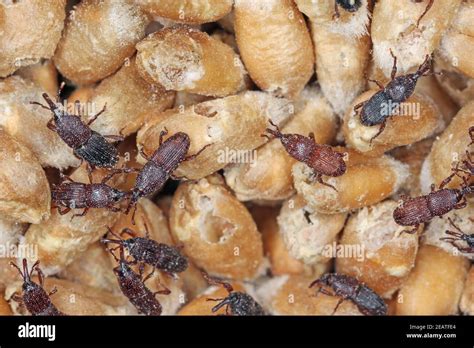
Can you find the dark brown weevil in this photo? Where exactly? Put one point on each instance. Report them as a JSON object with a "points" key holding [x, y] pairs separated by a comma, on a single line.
{"points": [[237, 303], [145, 250], [133, 287], [460, 236], [349, 288], [384, 103], [36, 300], [322, 159], [87, 144], [75, 195], [422, 209], [160, 165]]}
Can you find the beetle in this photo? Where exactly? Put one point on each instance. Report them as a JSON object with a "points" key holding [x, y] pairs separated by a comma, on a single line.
{"points": [[160, 165], [322, 159], [159, 255], [87, 144], [422, 209], [76, 195], [460, 236], [349, 288], [348, 5], [36, 300], [237, 303], [384, 103], [133, 287]]}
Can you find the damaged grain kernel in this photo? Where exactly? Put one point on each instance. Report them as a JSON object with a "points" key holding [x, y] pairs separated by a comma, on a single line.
{"points": [[24, 189], [98, 37], [185, 59], [275, 45], [394, 28], [435, 285], [454, 83], [457, 44], [22, 43], [308, 235], [415, 119], [217, 231], [449, 148], [266, 176], [374, 250], [187, 11], [229, 126], [376, 178], [129, 99]]}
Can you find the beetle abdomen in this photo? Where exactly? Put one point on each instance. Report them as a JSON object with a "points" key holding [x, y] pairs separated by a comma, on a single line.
{"points": [[375, 110], [413, 212], [172, 152], [369, 302], [327, 162], [70, 195], [98, 151], [442, 201]]}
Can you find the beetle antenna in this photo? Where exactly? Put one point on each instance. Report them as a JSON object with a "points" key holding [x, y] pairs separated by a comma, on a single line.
{"points": [[12, 264]]}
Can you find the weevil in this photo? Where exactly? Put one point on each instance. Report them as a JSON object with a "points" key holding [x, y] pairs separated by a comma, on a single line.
{"points": [[133, 287], [36, 300], [160, 165], [322, 159], [347, 5], [384, 103], [349, 288], [460, 236], [422, 209], [87, 144], [75, 195], [237, 303], [146, 250]]}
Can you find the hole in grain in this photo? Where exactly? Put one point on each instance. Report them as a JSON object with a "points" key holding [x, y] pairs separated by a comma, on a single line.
{"points": [[213, 229]]}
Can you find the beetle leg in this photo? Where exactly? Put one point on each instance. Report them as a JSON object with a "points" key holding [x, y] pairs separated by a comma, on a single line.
{"points": [[378, 83], [358, 106], [64, 211], [84, 212], [17, 298], [462, 204], [381, 129], [319, 178], [394, 67], [149, 275], [97, 115], [412, 231], [114, 172], [52, 292], [164, 291], [51, 125], [342, 299], [336, 11], [188, 158], [174, 177], [115, 137], [143, 154], [39, 104], [163, 133], [430, 3]]}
